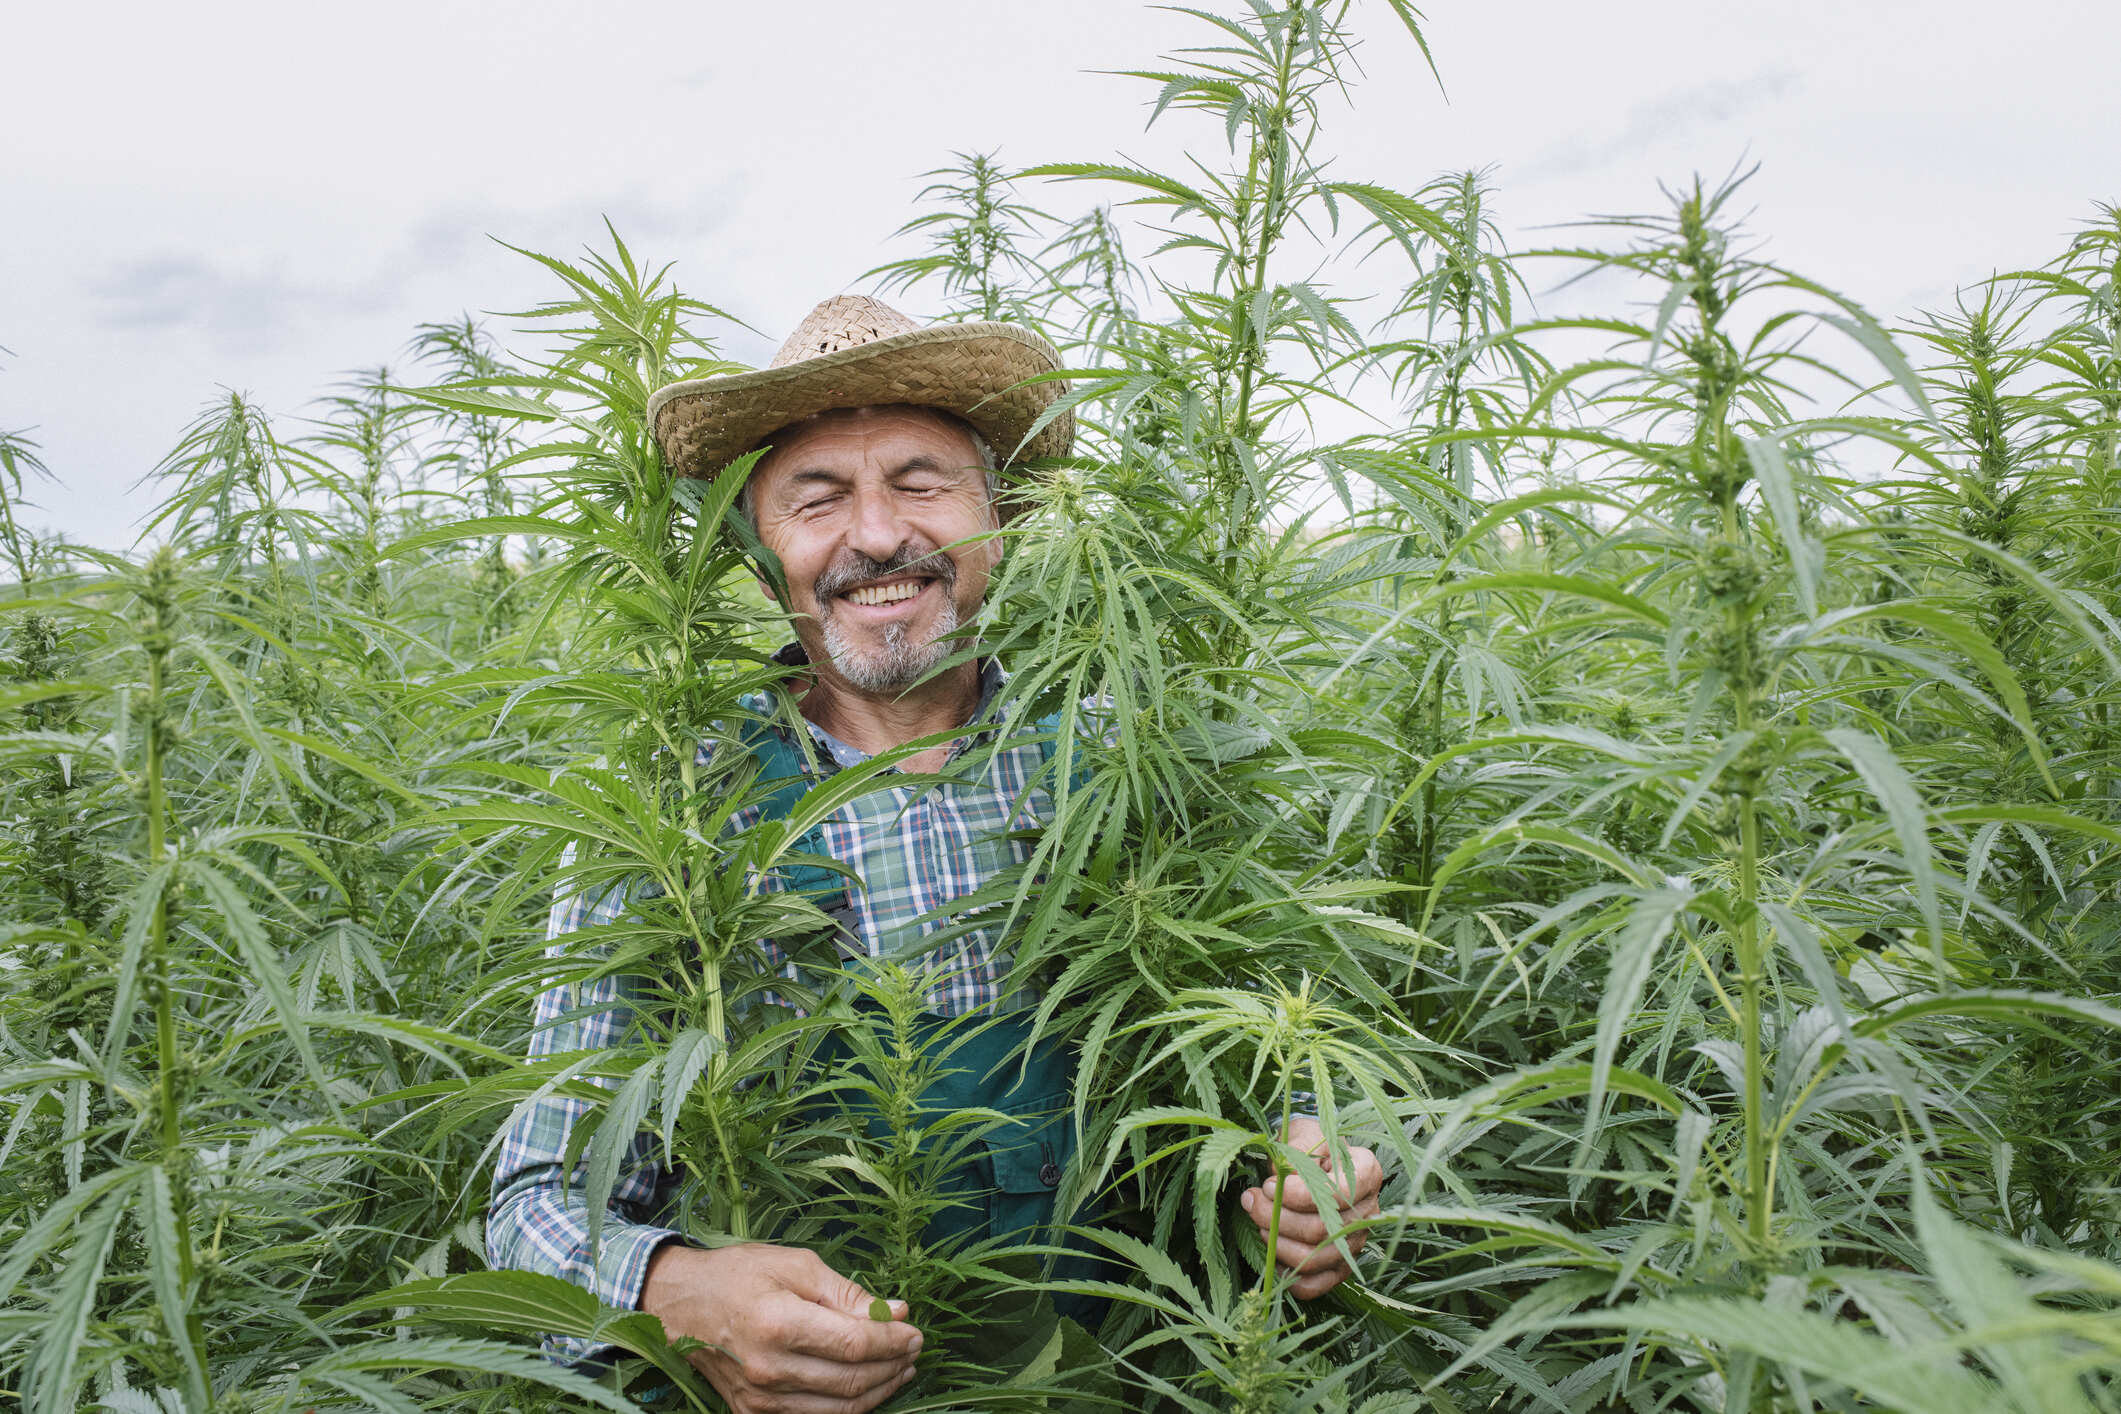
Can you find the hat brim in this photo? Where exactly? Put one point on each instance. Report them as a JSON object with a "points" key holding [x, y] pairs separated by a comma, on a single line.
{"points": [[977, 371]]}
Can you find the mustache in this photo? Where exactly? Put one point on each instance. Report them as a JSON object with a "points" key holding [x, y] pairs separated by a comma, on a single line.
{"points": [[855, 568]]}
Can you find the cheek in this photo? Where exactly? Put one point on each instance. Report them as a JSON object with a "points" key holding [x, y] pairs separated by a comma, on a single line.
{"points": [[975, 566], [800, 565]]}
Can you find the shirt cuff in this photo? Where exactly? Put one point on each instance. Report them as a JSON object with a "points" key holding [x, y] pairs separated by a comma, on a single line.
{"points": [[622, 1270], [622, 1262]]}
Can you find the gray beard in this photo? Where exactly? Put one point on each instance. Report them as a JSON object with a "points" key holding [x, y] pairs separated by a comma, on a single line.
{"points": [[898, 663]]}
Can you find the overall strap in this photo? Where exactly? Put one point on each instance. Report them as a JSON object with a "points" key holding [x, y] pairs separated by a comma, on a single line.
{"points": [[1049, 731], [787, 773]]}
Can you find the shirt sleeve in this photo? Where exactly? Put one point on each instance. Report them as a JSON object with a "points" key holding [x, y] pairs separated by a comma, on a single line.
{"points": [[538, 1220]]}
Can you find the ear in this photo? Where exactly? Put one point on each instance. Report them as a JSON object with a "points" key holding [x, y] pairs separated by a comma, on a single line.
{"points": [[767, 590]]}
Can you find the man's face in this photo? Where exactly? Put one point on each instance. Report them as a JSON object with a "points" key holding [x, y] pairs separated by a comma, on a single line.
{"points": [[859, 506]]}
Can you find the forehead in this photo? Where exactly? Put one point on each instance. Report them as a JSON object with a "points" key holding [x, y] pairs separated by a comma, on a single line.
{"points": [[846, 439]]}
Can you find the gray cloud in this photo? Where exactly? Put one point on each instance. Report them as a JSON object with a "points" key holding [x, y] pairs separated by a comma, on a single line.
{"points": [[246, 308], [1680, 111], [241, 308], [453, 234]]}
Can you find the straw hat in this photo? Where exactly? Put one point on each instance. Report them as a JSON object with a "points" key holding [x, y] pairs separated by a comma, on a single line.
{"points": [[853, 351]]}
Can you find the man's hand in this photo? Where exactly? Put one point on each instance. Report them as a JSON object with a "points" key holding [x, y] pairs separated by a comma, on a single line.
{"points": [[1304, 1247], [789, 1335]]}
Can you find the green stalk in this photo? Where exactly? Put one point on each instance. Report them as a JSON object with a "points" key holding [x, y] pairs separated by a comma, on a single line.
{"points": [[1255, 245], [158, 643], [1751, 952], [1288, 1111], [1759, 1199], [1448, 421], [732, 1166], [1250, 356], [1701, 256]]}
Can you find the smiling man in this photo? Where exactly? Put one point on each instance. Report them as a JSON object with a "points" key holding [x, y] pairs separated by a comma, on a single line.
{"points": [[860, 505], [878, 496]]}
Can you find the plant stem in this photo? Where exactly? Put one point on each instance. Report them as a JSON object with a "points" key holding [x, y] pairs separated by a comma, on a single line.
{"points": [[159, 640], [1759, 1201], [1288, 1110], [1254, 248]]}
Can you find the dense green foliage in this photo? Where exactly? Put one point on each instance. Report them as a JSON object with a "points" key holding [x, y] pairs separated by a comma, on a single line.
{"points": [[1657, 788]]}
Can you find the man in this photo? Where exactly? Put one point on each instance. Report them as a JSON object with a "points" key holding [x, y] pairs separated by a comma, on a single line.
{"points": [[877, 495]]}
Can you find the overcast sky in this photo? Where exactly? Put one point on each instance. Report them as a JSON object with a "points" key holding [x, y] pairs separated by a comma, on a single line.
{"points": [[264, 196]]}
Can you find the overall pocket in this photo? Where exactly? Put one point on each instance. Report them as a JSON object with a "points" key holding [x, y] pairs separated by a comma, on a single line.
{"points": [[1028, 1158]]}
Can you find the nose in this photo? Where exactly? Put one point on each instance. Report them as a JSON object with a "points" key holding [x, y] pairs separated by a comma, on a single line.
{"points": [[876, 529]]}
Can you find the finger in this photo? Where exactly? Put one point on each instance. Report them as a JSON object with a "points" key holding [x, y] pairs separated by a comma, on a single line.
{"points": [[805, 1403], [1313, 1232], [1317, 1284], [1304, 1227], [1336, 1180], [872, 1400], [1368, 1169], [1296, 1194], [1305, 1243], [1301, 1227], [1307, 1257], [1309, 1226], [793, 1374], [810, 1277], [856, 1301], [1260, 1208], [842, 1339], [1369, 1172], [1369, 1180]]}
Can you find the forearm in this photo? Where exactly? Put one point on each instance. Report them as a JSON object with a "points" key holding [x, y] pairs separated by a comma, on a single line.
{"points": [[540, 1221], [540, 1218], [537, 1225]]}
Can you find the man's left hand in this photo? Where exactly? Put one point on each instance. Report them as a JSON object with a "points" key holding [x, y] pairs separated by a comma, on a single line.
{"points": [[1304, 1247]]}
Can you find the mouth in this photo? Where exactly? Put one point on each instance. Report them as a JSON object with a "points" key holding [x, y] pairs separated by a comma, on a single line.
{"points": [[887, 593]]}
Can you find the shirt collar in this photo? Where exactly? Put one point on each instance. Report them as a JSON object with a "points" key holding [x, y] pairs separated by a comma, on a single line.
{"points": [[991, 679]]}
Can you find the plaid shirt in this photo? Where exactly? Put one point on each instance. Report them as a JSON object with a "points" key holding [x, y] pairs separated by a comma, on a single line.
{"points": [[914, 851]]}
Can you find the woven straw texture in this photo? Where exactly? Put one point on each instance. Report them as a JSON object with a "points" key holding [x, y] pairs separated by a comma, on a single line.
{"points": [[853, 351]]}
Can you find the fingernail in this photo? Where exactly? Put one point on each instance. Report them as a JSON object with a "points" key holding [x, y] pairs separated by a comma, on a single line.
{"points": [[1248, 1199]]}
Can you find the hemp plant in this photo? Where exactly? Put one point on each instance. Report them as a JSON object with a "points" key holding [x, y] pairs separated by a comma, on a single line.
{"points": [[479, 448], [2009, 507], [18, 459], [1153, 606], [1792, 817], [979, 237], [1263, 82], [1468, 371], [163, 1229]]}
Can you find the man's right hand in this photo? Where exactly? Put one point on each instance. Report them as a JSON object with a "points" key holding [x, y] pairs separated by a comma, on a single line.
{"points": [[787, 1334]]}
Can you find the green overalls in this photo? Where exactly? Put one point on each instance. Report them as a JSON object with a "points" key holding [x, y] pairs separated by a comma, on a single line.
{"points": [[1009, 1187]]}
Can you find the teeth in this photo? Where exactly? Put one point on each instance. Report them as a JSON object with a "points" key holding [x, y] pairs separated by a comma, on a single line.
{"points": [[885, 593]]}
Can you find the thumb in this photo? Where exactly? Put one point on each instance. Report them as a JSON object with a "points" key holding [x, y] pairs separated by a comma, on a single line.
{"points": [[813, 1280], [857, 1302]]}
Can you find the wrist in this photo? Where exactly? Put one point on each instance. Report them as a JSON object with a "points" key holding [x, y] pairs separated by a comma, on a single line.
{"points": [[672, 1276]]}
